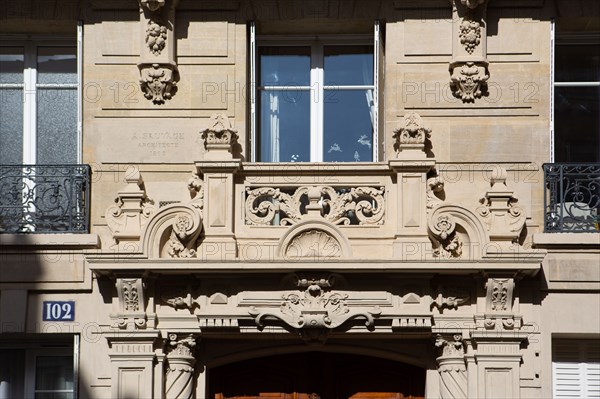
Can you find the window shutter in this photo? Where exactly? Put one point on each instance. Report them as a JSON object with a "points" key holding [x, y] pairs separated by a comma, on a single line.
{"points": [[576, 369]]}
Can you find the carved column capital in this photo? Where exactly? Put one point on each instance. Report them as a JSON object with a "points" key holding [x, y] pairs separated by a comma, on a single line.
{"points": [[411, 137], [219, 137], [180, 370], [452, 367]]}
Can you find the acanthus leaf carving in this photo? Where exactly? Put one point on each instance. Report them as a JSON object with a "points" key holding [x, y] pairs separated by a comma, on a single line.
{"points": [[468, 80], [499, 295], [355, 205], [158, 81], [450, 346]]}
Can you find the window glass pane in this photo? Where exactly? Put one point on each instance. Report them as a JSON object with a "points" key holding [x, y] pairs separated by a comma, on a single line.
{"points": [[11, 126], [53, 373], [577, 124], [577, 63], [56, 126], [284, 66], [348, 65], [57, 65], [11, 65], [12, 366], [284, 126], [348, 125]]}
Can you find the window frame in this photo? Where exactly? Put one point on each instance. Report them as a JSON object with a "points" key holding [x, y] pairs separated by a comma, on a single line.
{"points": [[30, 45], [562, 40], [317, 87]]}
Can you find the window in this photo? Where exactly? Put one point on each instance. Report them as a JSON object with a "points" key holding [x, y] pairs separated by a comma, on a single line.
{"points": [[38, 373], [315, 98], [39, 98], [576, 95], [576, 368]]}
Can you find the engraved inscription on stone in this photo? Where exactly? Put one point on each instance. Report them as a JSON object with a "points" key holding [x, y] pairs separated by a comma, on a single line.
{"points": [[157, 144]]}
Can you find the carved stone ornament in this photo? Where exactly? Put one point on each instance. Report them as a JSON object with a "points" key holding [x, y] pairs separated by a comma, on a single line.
{"points": [[435, 188], [156, 36], [158, 81], [152, 5], [452, 368], [130, 293], [470, 34], [178, 297], [219, 131], [499, 296], [179, 382], [412, 135], [504, 219], [356, 205], [451, 298], [314, 306], [133, 210], [196, 188], [182, 240], [468, 80], [447, 243], [313, 244]]}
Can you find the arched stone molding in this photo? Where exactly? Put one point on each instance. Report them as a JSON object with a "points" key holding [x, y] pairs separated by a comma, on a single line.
{"points": [[457, 233], [173, 232], [314, 239]]}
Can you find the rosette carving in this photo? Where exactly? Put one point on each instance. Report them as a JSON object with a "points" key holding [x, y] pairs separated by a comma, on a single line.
{"points": [[357, 205]]}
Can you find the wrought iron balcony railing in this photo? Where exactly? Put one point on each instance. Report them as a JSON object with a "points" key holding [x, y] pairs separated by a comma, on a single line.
{"points": [[572, 197], [44, 198]]}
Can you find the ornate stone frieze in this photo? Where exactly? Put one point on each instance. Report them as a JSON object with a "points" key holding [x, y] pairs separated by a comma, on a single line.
{"points": [[180, 370], [156, 36], [468, 80], [133, 209], [158, 81], [130, 294], [355, 205], [470, 34], [504, 219], [412, 135], [314, 306], [452, 368]]}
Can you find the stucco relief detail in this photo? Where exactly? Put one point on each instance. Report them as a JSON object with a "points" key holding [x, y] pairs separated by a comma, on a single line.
{"points": [[314, 306], [342, 206], [132, 211], [468, 80]]}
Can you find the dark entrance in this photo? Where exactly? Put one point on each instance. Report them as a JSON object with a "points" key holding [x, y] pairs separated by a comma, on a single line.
{"points": [[317, 375]]}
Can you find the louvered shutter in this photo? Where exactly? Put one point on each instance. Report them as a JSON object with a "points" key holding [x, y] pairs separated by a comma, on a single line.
{"points": [[576, 369]]}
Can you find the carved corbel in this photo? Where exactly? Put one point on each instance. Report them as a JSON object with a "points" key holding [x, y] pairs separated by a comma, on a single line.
{"points": [[411, 137], [158, 71], [180, 367], [132, 305], [504, 219], [452, 367], [469, 66], [127, 219], [219, 137]]}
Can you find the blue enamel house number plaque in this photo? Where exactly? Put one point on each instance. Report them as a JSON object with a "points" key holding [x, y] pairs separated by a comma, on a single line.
{"points": [[58, 311]]}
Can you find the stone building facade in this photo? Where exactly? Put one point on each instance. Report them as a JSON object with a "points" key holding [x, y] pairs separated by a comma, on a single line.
{"points": [[299, 199]]}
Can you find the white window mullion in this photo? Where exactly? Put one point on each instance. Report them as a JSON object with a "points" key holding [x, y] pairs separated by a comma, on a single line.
{"points": [[375, 110], [79, 91], [30, 105], [316, 104], [253, 89]]}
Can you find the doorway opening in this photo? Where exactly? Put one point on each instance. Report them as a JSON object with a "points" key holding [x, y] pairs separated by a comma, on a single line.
{"points": [[317, 375]]}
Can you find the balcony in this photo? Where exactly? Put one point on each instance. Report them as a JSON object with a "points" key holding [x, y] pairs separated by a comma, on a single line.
{"points": [[572, 198], [44, 198]]}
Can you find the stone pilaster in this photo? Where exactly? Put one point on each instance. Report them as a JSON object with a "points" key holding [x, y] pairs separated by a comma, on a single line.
{"points": [[179, 382]]}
